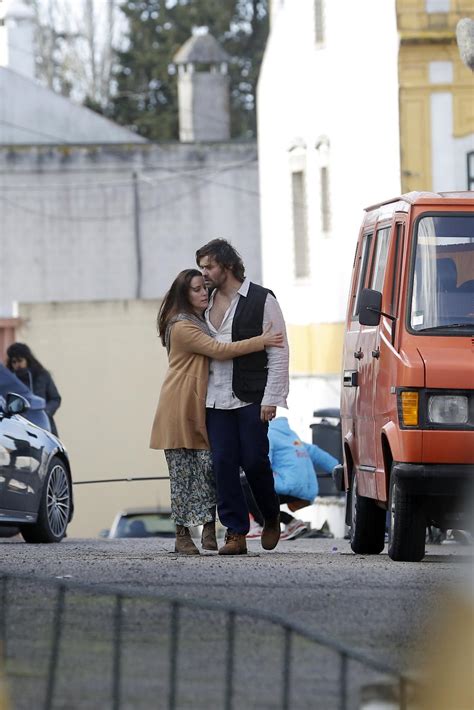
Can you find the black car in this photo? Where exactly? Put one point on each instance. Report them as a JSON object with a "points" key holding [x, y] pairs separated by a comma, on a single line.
{"points": [[35, 476]]}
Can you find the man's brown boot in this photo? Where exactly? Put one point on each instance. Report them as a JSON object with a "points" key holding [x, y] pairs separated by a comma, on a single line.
{"points": [[208, 537], [235, 544], [184, 544], [271, 533]]}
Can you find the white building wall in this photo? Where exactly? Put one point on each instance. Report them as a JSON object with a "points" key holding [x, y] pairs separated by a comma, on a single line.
{"points": [[345, 90]]}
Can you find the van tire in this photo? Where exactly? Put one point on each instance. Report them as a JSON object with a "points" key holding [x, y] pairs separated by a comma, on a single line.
{"points": [[406, 539], [367, 523]]}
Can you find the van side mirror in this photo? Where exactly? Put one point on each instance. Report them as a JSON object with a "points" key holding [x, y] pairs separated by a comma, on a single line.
{"points": [[15, 404], [370, 307]]}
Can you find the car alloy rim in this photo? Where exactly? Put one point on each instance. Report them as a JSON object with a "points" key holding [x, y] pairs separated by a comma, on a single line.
{"points": [[58, 500]]}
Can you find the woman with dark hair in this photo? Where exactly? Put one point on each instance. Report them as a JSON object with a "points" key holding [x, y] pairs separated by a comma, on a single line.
{"points": [[179, 427], [31, 372]]}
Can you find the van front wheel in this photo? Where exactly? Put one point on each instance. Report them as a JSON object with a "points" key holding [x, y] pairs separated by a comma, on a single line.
{"points": [[406, 540], [367, 523]]}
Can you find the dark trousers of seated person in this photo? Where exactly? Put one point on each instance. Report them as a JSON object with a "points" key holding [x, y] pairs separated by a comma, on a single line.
{"points": [[239, 439], [254, 509]]}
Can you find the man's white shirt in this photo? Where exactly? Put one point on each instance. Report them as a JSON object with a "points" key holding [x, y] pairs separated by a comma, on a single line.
{"points": [[219, 389]]}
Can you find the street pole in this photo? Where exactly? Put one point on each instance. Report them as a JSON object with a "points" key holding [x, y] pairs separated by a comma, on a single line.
{"points": [[137, 236]]}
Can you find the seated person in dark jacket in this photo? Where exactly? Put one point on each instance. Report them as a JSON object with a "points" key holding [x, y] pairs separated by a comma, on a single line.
{"points": [[31, 372], [36, 414]]}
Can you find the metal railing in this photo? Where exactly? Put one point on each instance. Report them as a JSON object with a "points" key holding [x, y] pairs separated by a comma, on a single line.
{"points": [[86, 646]]}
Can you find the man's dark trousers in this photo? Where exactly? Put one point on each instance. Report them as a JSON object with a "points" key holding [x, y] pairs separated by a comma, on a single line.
{"points": [[239, 439]]}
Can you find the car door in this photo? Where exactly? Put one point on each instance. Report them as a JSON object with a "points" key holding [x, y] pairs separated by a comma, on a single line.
{"points": [[356, 384], [16, 490], [369, 353], [385, 364]]}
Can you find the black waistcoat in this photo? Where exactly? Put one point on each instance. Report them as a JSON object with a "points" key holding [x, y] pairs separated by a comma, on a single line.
{"points": [[250, 371]]}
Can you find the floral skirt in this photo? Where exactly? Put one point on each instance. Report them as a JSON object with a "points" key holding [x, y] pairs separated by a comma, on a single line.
{"points": [[192, 484]]}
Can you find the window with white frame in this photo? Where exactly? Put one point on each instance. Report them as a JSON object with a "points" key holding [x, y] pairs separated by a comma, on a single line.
{"points": [[433, 6], [319, 24], [380, 258], [300, 224]]}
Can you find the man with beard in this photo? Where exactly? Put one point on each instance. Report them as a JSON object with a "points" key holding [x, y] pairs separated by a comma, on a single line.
{"points": [[242, 394]]}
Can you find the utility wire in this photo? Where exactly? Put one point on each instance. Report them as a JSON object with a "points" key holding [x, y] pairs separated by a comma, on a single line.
{"points": [[33, 131], [171, 174], [120, 480], [160, 205], [90, 218], [121, 168]]}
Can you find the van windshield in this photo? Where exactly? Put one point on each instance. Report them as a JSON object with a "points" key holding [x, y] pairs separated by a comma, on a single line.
{"points": [[443, 275]]}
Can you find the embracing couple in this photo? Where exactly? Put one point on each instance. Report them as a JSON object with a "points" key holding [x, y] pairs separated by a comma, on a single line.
{"points": [[228, 372]]}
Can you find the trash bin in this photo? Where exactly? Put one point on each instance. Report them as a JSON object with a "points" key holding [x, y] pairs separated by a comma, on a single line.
{"points": [[327, 435]]}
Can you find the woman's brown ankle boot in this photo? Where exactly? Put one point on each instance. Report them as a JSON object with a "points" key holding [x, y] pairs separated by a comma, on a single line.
{"points": [[208, 537], [184, 544]]}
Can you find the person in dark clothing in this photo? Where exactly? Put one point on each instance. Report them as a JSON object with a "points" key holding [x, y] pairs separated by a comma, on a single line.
{"points": [[36, 413], [31, 372], [242, 394]]}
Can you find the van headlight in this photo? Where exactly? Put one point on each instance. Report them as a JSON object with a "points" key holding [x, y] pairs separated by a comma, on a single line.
{"points": [[448, 409]]}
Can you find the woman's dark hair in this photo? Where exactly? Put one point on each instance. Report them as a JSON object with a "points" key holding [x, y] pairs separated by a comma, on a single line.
{"points": [[224, 254], [176, 300], [17, 351]]}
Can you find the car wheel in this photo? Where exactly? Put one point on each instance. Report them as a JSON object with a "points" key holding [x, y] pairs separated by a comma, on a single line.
{"points": [[55, 507], [367, 523], [406, 539]]}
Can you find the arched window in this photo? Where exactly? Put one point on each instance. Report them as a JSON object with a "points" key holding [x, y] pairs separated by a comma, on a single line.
{"points": [[322, 147], [319, 25]]}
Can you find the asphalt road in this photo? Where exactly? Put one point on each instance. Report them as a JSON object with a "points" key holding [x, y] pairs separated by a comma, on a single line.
{"points": [[370, 603]]}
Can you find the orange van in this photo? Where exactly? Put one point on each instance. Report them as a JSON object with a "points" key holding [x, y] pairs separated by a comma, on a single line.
{"points": [[407, 402]]}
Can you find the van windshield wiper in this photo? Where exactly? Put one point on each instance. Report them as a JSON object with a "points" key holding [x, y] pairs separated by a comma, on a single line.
{"points": [[448, 326]]}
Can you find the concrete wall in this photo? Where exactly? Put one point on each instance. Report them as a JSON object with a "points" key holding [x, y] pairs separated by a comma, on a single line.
{"points": [[75, 227], [30, 113], [108, 364]]}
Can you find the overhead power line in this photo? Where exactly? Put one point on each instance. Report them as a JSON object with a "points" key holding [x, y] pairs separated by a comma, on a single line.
{"points": [[33, 131], [112, 217], [172, 173]]}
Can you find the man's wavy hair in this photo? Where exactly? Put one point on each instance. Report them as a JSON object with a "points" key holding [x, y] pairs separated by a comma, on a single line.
{"points": [[224, 254]]}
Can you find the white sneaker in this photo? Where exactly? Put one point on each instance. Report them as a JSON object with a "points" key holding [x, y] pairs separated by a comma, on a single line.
{"points": [[295, 528], [255, 531]]}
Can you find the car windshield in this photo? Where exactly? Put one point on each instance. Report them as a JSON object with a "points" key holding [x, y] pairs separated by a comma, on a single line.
{"points": [[443, 275], [146, 525]]}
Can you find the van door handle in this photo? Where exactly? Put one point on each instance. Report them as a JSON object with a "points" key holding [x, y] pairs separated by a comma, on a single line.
{"points": [[359, 354], [351, 378], [376, 353]]}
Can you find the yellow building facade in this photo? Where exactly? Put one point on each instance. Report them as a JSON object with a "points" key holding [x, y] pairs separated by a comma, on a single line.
{"points": [[432, 80]]}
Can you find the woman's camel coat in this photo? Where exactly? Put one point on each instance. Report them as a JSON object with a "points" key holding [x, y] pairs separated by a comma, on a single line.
{"points": [[180, 419]]}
